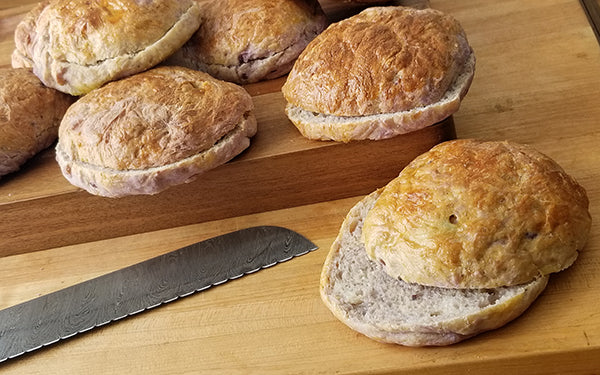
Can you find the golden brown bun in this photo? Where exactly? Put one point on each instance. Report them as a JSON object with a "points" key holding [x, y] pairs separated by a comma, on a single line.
{"points": [[473, 214], [247, 41], [77, 45], [362, 295], [153, 130], [30, 114], [384, 62]]}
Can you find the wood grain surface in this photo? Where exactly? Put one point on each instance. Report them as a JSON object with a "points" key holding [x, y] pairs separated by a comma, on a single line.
{"points": [[537, 81], [592, 11]]}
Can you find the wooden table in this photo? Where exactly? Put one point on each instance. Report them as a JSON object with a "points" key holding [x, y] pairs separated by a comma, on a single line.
{"points": [[537, 82]]}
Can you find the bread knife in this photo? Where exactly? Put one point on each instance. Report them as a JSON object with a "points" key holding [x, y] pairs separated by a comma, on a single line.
{"points": [[79, 308]]}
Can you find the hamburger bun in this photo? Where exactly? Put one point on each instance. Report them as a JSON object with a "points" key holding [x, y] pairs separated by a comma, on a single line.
{"points": [[153, 130], [30, 114], [248, 41], [461, 242], [383, 72], [77, 45]]}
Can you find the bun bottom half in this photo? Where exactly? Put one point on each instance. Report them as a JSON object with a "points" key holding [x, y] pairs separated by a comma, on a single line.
{"points": [[361, 295], [113, 183], [320, 126]]}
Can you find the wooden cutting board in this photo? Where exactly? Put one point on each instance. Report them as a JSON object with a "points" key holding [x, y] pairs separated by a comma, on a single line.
{"points": [[537, 80], [41, 210]]}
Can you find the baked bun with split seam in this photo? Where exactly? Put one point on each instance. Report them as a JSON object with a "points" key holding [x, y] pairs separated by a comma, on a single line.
{"points": [[153, 130], [248, 41], [383, 72], [363, 296], [30, 114], [461, 242], [77, 45]]}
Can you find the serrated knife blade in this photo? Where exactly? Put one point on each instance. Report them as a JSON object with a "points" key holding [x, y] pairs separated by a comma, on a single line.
{"points": [[62, 314]]}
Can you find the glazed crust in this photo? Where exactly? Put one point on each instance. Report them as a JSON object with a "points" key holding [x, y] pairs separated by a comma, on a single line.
{"points": [[152, 130], [30, 114], [383, 60], [246, 41], [75, 46], [478, 214]]}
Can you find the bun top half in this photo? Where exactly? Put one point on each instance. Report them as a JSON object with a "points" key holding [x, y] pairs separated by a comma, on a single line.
{"points": [[77, 45], [473, 214], [382, 60]]}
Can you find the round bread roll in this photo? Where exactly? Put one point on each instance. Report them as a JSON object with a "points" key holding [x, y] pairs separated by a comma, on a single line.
{"points": [[363, 296], [30, 114], [247, 41], [153, 130], [78, 45], [474, 214], [383, 72]]}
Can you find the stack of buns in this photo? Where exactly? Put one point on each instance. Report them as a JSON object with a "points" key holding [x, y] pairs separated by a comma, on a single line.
{"points": [[383, 72], [461, 242], [138, 128]]}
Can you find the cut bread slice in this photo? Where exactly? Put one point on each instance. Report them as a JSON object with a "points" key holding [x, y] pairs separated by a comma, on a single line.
{"points": [[361, 295], [319, 126]]}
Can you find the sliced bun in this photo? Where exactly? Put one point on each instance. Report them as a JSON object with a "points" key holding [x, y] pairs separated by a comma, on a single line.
{"points": [[78, 45], [30, 114], [153, 130], [383, 72], [474, 214], [363, 296], [247, 41]]}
